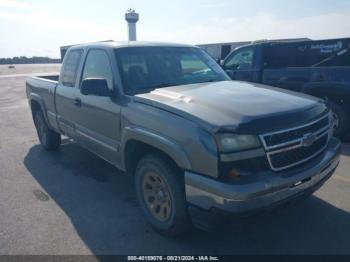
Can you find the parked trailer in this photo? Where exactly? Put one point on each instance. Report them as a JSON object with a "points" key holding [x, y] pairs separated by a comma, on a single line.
{"points": [[219, 51]]}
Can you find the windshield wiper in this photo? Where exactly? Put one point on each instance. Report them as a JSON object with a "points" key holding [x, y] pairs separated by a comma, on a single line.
{"points": [[211, 80]]}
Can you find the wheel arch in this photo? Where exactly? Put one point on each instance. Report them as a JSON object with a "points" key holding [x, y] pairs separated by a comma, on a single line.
{"points": [[138, 142], [37, 103], [333, 91]]}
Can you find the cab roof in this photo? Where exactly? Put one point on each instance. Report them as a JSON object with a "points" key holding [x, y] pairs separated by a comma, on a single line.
{"points": [[122, 44]]}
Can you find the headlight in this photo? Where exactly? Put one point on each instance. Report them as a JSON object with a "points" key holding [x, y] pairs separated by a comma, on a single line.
{"points": [[233, 142]]}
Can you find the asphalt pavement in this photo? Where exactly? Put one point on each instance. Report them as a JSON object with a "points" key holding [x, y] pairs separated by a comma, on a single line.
{"points": [[72, 202]]}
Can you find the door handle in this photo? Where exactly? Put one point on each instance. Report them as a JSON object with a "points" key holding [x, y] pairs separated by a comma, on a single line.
{"points": [[77, 102]]}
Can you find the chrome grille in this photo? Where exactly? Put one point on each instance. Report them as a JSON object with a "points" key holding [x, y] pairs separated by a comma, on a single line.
{"points": [[294, 146]]}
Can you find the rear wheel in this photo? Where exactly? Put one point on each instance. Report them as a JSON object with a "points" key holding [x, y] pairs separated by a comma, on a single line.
{"points": [[340, 120], [49, 139], [161, 193]]}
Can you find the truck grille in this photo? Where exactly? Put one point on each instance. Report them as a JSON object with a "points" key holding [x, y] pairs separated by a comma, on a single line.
{"points": [[291, 147]]}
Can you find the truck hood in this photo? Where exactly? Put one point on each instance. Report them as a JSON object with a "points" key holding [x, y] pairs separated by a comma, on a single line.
{"points": [[237, 106]]}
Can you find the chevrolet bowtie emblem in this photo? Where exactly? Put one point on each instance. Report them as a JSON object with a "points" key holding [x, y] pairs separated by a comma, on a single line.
{"points": [[308, 139]]}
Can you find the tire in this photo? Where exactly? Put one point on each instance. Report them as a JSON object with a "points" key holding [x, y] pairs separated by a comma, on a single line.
{"points": [[168, 183], [341, 120], [48, 138]]}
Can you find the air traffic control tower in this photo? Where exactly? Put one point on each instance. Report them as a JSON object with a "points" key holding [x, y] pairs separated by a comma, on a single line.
{"points": [[131, 17]]}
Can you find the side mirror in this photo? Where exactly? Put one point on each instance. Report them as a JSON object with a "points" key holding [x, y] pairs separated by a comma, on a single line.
{"points": [[95, 86]]}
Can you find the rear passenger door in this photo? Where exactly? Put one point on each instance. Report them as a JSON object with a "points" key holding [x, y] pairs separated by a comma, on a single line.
{"points": [[98, 118], [66, 92]]}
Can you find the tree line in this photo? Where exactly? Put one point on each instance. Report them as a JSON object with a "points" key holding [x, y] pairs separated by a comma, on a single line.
{"points": [[29, 60]]}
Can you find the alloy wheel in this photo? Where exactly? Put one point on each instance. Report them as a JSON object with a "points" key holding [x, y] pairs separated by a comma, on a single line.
{"points": [[157, 196]]}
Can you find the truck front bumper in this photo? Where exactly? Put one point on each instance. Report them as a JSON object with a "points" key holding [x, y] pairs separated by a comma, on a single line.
{"points": [[269, 189]]}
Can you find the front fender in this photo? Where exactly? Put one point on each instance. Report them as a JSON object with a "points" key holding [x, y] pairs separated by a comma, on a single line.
{"points": [[334, 91], [166, 145], [323, 88]]}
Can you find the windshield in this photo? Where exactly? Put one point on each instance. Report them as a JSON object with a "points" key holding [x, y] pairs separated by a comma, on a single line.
{"points": [[143, 69]]}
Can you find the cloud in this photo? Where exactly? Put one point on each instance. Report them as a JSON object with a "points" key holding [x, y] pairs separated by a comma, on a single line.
{"points": [[14, 4], [261, 26]]}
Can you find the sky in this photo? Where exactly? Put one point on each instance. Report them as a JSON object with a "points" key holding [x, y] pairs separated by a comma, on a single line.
{"points": [[39, 27]]}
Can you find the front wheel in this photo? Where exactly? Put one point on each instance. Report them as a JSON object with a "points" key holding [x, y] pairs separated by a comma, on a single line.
{"points": [[340, 120], [49, 139], [161, 193]]}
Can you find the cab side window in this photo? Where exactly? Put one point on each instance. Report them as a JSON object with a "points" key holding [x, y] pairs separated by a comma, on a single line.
{"points": [[70, 68], [97, 65], [242, 60]]}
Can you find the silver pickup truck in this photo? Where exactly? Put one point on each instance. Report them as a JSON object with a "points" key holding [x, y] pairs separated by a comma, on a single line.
{"points": [[196, 143]]}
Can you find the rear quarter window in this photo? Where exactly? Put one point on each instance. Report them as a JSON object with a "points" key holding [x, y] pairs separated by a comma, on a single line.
{"points": [[70, 68]]}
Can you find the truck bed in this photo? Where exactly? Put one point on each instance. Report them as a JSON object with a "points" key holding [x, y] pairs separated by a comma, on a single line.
{"points": [[41, 89], [50, 77]]}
